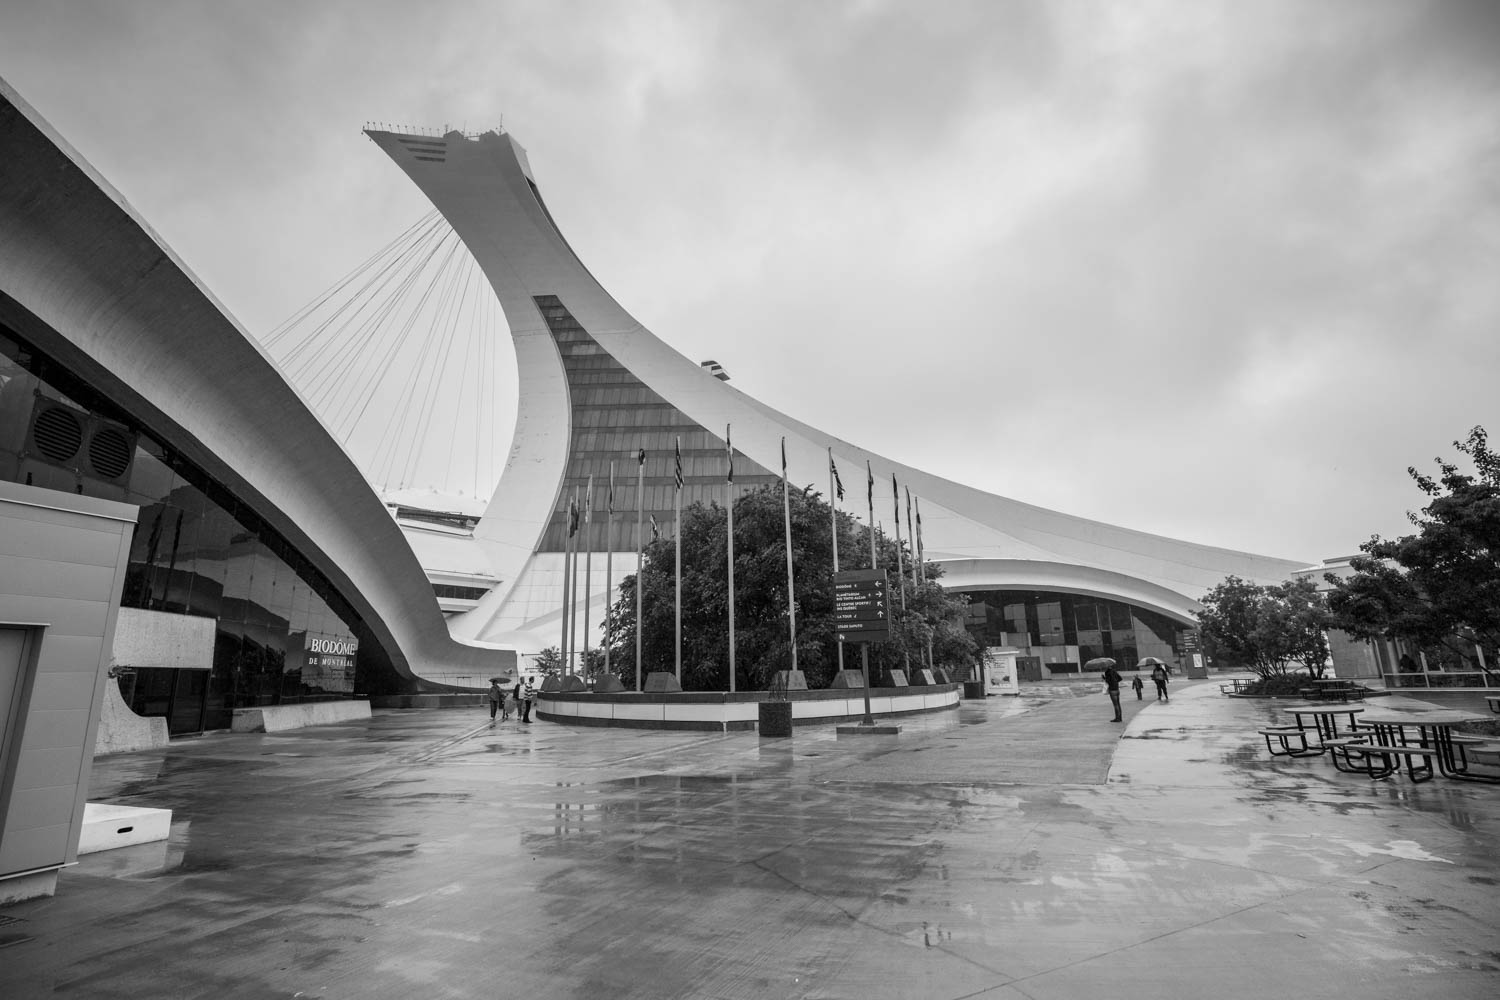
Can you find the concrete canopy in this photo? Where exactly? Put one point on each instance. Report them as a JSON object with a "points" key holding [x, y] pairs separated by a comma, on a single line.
{"points": [[86, 281]]}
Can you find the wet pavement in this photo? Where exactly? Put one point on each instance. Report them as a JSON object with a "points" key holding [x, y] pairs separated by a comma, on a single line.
{"points": [[1015, 848]]}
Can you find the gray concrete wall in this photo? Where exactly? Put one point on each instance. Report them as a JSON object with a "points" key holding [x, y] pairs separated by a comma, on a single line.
{"points": [[62, 568]]}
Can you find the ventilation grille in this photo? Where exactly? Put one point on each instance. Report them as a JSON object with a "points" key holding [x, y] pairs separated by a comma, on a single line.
{"points": [[57, 433], [79, 441], [110, 451]]}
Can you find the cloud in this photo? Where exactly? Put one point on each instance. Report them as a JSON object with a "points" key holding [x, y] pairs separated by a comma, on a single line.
{"points": [[1213, 269]]}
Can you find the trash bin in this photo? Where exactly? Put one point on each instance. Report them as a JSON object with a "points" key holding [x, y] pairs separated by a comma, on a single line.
{"points": [[776, 718]]}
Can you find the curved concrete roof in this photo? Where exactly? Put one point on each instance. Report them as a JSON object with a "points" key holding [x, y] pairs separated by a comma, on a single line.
{"points": [[485, 188], [84, 278]]}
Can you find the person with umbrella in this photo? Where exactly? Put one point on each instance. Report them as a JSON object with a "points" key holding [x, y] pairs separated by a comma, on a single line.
{"points": [[1111, 682], [1158, 677]]}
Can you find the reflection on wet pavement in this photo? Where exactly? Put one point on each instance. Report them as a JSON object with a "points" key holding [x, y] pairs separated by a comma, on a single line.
{"points": [[1013, 848]]}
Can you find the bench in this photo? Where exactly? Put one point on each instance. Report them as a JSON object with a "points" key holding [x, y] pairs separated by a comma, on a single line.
{"points": [[1493, 700], [1391, 757], [1291, 739]]}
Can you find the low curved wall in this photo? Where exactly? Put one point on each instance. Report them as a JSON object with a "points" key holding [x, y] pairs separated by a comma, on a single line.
{"points": [[720, 711]]}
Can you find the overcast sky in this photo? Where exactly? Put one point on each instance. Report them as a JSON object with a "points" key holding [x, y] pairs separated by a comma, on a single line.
{"points": [[1217, 270]]}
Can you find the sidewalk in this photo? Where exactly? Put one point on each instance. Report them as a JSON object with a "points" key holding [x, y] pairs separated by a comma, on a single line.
{"points": [[1015, 848]]}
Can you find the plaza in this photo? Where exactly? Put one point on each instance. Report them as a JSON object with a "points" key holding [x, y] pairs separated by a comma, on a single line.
{"points": [[1013, 848]]}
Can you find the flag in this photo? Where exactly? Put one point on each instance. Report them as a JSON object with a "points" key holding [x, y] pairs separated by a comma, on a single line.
{"points": [[896, 502], [919, 527], [729, 452], [573, 516], [640, 458], [588, 503], [610, 505], [838, 484], [870, 486], [655, 531], [783, 458], [677, 468]]}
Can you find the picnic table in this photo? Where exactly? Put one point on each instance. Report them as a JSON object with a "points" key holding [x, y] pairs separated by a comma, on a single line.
{"points": [[1325, 719], [1425, 735]]}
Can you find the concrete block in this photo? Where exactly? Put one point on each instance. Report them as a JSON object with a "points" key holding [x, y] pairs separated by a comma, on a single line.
{"points": [[848, 679], [280, 718], [121, 730], [659, 681], [106, 826], [877, 729]]}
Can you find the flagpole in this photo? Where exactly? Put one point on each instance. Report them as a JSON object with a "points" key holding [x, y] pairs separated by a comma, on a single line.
{"points": [[640, 542], [922, 562], [833, 531], [567, 585], [900, 568], [911, 533], [562, 643], [573, 593], [588, 569], [609, 564], [791, 589], [677, 546], [729, 536], [864, 647]]}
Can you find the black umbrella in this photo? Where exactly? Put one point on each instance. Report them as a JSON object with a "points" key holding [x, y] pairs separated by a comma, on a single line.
{"points": [[1152, 661], [499, 680], [1099, 663]]}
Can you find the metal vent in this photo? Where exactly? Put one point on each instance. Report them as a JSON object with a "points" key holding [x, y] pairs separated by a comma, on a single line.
{"points": [[110, 452], [57, 433]]}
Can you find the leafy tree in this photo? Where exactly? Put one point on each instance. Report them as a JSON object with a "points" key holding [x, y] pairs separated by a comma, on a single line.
{"points": [[548, 662], [1438, 588], [1265, 629], [762, 644]]}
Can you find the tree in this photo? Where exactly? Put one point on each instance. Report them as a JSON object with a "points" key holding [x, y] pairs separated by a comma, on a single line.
{"points": [[1265, 629], [1438, 588], [548, 662], [762, 645]]}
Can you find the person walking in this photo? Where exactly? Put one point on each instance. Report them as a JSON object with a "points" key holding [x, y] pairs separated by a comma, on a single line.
{"points": [[1139, 686], [528, 695], [1159, 677], [1112, 686], [496, 697]]}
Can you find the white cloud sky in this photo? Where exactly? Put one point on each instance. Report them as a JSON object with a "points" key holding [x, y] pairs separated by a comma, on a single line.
{"points": [[1216, 270]]}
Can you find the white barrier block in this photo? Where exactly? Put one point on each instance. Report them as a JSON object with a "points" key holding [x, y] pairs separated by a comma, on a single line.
{"points": [[106, 827]]}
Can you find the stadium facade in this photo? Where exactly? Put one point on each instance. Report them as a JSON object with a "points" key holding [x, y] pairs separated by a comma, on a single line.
{"points": [[596, 386]]}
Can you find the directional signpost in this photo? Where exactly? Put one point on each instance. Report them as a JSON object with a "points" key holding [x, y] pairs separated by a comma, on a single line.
{"points": [[862, 614], [861, 610]]}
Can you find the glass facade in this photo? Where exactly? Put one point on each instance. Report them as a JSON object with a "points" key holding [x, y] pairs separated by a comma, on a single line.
{"points": [[614, 417], [282, 633], [1065, 631]]}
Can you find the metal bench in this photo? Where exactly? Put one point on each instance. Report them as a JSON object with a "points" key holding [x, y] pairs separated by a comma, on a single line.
{"points": [[1291, 739], [1391, 758]]}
